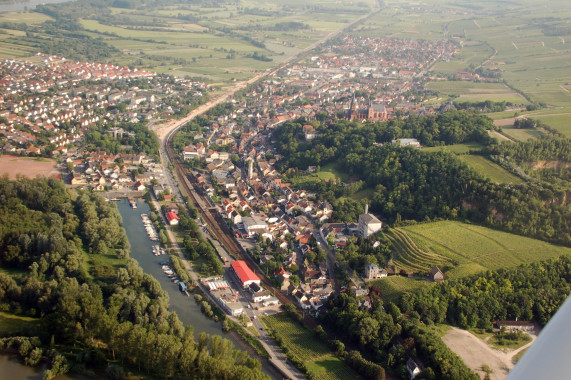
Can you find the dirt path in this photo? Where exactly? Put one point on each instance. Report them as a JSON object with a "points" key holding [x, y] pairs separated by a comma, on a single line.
{"points": [[475, 353]]}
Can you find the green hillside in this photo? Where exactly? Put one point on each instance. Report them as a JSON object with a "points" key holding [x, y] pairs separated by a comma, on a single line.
{"points": [[473, 248]]}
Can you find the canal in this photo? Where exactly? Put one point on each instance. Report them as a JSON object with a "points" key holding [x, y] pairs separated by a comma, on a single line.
{"points": [[186, 308], [188, 311]]}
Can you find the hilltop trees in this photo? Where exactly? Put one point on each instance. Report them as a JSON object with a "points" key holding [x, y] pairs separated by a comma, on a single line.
{"points": [[412, 184]]}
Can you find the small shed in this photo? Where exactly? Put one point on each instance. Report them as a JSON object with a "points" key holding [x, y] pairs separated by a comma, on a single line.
{"points": [[436, 274]]}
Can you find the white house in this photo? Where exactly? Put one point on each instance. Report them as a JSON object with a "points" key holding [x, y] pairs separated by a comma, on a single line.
{"points": [[372, 271], [369, 224]]}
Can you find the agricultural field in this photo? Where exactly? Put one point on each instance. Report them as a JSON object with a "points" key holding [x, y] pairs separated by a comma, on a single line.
{"points": [[561, 122], [301, 341], [393, 286], [489, 169], [473, 248], [521, 134], [331, 368], [406, 255], [217, 43], [456, 148], [473, 92], [303, 344]]}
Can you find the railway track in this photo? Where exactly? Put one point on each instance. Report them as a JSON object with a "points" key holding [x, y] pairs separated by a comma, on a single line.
{"points": [[218, 226]]}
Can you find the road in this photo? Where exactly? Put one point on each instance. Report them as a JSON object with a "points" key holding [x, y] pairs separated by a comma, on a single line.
{"points": [[166, 131], [277, 357]]}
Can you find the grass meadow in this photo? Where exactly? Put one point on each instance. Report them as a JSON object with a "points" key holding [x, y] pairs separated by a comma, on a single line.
{"points": [[456, 148], [489, 169], [11, 324], [459, 250], [392, 287]]}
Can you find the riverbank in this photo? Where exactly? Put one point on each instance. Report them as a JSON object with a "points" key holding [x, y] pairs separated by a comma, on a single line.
{"points": [[188, 311]]}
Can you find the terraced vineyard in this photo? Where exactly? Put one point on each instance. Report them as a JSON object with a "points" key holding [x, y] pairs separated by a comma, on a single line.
{"points": [[406, 254], [471, 248]]}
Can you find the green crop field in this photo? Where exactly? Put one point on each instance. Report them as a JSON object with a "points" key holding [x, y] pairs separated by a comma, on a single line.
{"points": [[562, 123], [456, 148], [331, 368], [490, 170], [521, 134], [462, 91], [406, 255], [300, 341], [475, 248], [303, 344], [393, 286], [463, 87]]}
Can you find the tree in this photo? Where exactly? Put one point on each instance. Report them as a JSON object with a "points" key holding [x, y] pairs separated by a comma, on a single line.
{"points": [[294, 280]]}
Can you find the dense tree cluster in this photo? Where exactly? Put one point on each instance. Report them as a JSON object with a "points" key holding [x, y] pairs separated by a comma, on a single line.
{"points": [[528, 292], [341, 138], [126, 319], [547, 159], [389, 338], [362, 252], [417, 185], [196, 246], [485, 106], [138, 138]]}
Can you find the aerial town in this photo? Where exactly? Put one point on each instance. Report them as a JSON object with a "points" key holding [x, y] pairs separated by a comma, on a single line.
{"points": [[230, 223], [368, 79]]}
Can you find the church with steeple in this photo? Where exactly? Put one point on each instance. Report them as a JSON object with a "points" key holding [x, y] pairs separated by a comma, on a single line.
{"points": [[369, 224], [371, 112]]}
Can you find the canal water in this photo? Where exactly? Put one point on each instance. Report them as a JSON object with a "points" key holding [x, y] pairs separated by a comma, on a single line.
{"points": [[12, 369], [188, 311], [141, 250]]}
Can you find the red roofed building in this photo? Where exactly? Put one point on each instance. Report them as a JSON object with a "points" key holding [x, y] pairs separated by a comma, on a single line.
{"points": [[173, 218], [244, 273]]}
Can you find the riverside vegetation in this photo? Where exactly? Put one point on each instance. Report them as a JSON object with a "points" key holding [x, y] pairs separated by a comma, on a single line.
{"points": [[65, 261]]}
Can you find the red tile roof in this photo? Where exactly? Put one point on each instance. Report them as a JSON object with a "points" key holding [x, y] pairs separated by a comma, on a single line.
{"points": [[172, 216], [243, 271]]}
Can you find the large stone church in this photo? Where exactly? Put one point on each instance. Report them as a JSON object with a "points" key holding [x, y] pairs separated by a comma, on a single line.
{"points": [[371, 112]]}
